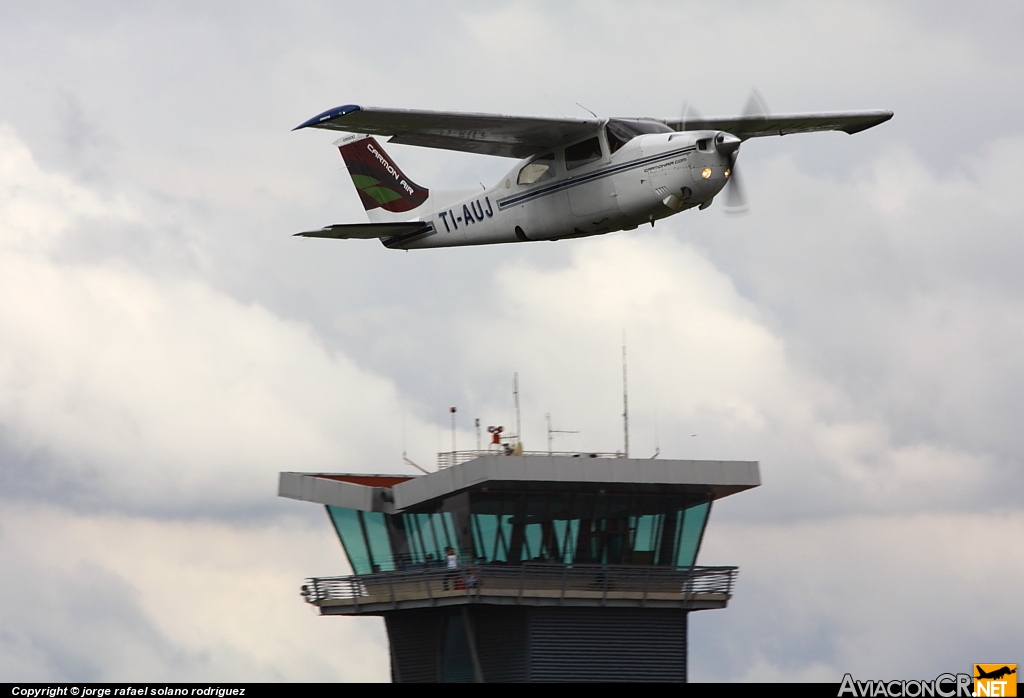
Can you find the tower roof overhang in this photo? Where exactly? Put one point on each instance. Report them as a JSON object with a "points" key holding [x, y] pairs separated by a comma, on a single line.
{"points": [[393, 493]]}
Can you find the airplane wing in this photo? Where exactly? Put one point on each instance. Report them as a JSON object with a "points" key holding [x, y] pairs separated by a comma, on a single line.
{"points": [[745, 127], [487, 134], [523, 136], [369, 231]]}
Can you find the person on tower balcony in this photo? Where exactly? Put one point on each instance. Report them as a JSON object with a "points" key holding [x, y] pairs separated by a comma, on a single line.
{"points": [[452, 565]]}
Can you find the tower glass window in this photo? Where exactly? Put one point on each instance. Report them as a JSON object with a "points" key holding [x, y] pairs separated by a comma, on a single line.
{"points": [[514, 527]]}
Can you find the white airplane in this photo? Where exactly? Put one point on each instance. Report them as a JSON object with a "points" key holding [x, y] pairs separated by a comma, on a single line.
{"points": [[575, 177]]}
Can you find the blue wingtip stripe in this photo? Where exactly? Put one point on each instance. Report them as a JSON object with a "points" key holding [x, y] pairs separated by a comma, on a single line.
{"points": [[329, 115]]}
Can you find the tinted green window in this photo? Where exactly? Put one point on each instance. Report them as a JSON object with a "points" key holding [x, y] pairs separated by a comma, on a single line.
{"points": [[573, 532], [585, 528], [428, 536], [532, 536], [485, 533], [431, 543], [504, 537], [381, 559], [693, 521], [346, 523], [647, 530], [414, 539], [448, 523]]}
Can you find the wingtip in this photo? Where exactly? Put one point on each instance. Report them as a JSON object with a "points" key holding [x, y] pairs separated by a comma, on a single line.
{"points": [[329, 115], [880, 118], [313, 233]]}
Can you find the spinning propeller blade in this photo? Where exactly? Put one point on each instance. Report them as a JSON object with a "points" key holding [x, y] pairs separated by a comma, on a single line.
{"points": [[687, 114], [735, 196]]}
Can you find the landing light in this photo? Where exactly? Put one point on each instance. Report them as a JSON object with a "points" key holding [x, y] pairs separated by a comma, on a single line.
{"points": [[727, 173], [706, 172]]}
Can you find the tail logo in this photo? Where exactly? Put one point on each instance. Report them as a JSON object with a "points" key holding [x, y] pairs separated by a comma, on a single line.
{"points": [[380, 183]]}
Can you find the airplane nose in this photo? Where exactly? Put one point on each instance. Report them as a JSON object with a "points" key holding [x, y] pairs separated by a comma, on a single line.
{"points": [[726, 143]]}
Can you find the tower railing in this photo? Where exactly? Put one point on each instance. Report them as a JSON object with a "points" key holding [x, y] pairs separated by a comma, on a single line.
{"points": [[553, 582], [447, 459]]}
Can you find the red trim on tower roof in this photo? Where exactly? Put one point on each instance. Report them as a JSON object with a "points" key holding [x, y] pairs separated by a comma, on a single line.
{"points": [[369, 480]]}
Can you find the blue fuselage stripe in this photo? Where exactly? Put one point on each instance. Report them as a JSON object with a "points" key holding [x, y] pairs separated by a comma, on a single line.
{"points": [[593, 176]]}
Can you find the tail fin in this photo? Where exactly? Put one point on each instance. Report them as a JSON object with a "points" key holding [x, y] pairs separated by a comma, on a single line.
{"points": [[381, 185]]}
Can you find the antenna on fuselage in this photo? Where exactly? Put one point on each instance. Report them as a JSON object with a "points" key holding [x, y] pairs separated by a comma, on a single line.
{"points": [[585, 109]]}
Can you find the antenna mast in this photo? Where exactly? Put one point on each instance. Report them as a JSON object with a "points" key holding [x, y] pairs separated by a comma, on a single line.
{"points": [[552, 432], [625, 400], [452, 410], [515, 396]]}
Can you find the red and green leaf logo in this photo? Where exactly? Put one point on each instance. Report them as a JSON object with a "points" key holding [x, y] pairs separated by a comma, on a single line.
{"points": [[378, 180]]}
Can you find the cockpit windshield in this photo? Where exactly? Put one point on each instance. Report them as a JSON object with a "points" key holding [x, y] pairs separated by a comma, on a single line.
{"points": [[622, 131]]}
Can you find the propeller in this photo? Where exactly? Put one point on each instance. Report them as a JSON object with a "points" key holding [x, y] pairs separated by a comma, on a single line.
{"points": [[756, 107], [688, 113], [727, 144], [735, 194]]}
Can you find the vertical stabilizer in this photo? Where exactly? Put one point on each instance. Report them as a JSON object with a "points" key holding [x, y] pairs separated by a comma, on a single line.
{"points": [[382, 186]]}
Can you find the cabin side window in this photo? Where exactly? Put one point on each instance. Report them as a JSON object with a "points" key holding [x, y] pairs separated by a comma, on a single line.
{"points": [[582, 153], [540, 169]]}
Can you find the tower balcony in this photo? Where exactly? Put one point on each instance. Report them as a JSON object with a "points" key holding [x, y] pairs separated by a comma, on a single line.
{"points": [[528, 584]]}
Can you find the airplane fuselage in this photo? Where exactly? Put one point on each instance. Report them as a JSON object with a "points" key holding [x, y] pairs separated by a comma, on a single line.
{"points": [[650, 177]]}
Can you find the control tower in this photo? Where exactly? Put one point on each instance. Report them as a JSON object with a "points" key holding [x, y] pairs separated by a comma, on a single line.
{"points": [[568, 567]]}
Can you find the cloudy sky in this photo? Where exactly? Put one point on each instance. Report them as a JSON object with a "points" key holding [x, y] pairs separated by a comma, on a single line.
{"points": [[166, 348]]}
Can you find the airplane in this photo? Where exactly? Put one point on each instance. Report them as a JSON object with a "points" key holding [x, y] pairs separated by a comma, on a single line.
{"points": [[575, 177], [996, 674]]}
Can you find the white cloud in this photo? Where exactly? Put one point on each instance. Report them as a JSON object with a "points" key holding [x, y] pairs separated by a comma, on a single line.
{"points": [[162, 391], [881, 597], [705, 362], [118, 598]]}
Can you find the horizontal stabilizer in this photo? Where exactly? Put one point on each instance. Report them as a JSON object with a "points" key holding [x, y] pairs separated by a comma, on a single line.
{"points": [[369, 231], [394, 235]]}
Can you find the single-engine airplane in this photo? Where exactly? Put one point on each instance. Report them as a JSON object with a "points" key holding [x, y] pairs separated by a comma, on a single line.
{"points": [[575, 177]]}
